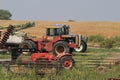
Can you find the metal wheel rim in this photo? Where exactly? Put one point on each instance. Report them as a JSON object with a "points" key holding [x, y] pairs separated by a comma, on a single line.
{"points": [[58, 50], [78, 49], [67, 64]]}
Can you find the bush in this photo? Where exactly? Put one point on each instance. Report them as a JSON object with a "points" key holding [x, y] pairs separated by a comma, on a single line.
{"points": [[111, 42], [95, 38], [116, 40], [70, 20], [107, 43]]}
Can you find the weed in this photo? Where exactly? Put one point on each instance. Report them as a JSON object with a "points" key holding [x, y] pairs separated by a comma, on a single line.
{"points": [[107, 43], [95, 38]]}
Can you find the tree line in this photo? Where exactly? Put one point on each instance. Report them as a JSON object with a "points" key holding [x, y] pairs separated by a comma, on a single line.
{"points": [[5, 15]]}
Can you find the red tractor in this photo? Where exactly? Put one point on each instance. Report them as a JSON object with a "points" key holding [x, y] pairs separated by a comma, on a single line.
{"points": [[57, 40], [63, 60]]}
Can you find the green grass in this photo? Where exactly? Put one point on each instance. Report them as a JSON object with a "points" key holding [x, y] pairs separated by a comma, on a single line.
{"points": [[105, 42], [5, 56], [79, 72], [95, 38], [97, 53]]}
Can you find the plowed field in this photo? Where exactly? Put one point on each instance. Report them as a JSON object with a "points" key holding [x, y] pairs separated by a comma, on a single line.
{"points": [[107, 29]]}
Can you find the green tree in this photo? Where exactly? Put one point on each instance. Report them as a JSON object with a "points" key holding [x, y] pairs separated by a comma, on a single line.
{"points": [[71, 20], [5, 15]]}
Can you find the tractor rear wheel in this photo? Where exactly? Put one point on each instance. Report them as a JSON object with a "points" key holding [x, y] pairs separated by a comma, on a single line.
{"points": [[82, 47], [67, 62], [60, 47], [28, 44]]}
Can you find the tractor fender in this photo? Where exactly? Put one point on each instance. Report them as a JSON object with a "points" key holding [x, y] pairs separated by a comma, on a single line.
{"points": [[36, 56], [66, 61], [70, 45], [62, 55], [58, 41]]}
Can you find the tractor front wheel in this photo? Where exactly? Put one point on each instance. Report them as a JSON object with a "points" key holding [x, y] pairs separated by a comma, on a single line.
{"points": [[82, 47], [67, 62]]}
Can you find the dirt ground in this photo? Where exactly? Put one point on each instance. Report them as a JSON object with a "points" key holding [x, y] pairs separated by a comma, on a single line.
{"points": [[106, 29]]}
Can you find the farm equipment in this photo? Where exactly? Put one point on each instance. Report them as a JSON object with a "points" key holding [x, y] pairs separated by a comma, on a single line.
{"points": [[5, 36], [37, 58], [17, 36], [57, 40], [40, 63], [43, 63], [64, 60]]}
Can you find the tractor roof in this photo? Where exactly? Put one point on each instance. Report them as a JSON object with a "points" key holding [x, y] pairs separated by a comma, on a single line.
{"points": [[54, 26]]}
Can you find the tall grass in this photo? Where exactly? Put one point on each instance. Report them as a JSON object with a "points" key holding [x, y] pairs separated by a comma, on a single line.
{"points": [[79, 72], [105, 42], [95, 38]]}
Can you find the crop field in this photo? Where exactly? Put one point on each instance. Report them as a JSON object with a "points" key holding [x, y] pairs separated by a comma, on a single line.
{"points": [[83, 70], [106, 29]]}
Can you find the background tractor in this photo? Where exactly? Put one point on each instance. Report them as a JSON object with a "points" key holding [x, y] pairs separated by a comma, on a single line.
{"points": [[57, 40]]}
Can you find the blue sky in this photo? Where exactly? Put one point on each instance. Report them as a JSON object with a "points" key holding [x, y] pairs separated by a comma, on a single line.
{"points": [[63, 10]]}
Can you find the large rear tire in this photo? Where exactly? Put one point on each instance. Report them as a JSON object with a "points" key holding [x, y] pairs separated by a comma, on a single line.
{"points": [[82, 47], [60, 47], [28, 44]]}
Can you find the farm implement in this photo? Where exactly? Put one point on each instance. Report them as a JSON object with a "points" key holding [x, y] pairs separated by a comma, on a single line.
{"points": [[36, 58], [43, 63], [64, 59]]}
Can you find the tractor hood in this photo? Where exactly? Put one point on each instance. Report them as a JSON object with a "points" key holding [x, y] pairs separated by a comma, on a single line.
{"points": [[74, 35], [70, 35]]}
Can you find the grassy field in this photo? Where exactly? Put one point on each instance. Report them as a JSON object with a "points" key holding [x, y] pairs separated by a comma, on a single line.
{"points": [[81, 71]]}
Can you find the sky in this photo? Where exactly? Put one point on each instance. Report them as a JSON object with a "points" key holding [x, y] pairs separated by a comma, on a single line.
{"points": [[63, 10]]}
